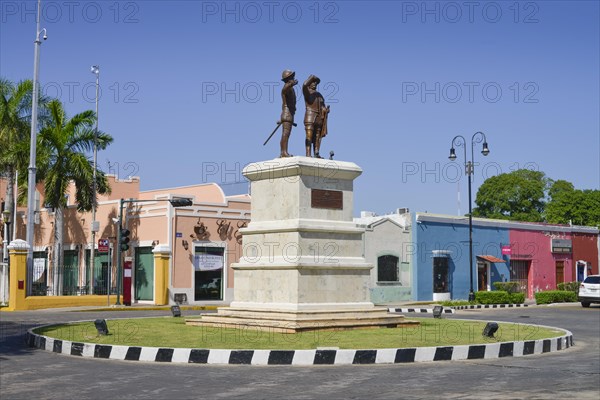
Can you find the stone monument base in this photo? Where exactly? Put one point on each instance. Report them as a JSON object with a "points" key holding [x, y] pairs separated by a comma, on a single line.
{"points": [[293, 321]]}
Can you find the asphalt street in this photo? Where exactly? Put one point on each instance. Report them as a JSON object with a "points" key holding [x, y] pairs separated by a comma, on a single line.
{"points": [[570, 374]]}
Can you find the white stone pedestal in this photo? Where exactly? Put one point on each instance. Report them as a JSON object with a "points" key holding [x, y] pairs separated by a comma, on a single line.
{"points": [[302, 265]]}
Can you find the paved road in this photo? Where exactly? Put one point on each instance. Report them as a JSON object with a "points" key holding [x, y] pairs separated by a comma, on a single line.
{"points": [[572, 373]]}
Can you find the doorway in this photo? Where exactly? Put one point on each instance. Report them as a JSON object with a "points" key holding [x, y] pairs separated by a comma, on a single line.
{"points": [[560, 272], [208, 272], [483, 277], [144, 274]]}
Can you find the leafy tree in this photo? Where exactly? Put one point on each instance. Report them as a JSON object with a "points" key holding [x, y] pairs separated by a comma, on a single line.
{"points": [[568, 205], [517, 196], [15, 125], [15, 104], [64, 142]]}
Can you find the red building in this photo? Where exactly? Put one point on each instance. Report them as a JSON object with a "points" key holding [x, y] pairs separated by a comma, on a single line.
{"points": [[585, 255]]}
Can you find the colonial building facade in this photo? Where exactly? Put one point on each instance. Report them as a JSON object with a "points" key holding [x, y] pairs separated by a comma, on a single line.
{"points": [[201, 242]]}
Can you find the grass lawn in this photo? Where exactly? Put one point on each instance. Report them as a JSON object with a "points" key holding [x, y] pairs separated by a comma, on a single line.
{"points": [[173, 332]]}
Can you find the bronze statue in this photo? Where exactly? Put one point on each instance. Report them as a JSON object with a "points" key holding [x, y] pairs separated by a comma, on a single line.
{"points": [[288, 109], [315, 119]]}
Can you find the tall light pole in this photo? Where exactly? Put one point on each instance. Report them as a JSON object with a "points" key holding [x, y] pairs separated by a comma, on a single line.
{"points": [[33, 141], [459, 141], [95, 69], [6, 214]]}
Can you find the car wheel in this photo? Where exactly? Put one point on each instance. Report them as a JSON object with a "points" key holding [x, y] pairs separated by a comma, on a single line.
{"points": [[585, 304]]}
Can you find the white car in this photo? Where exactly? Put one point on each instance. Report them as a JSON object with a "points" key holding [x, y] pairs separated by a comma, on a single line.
{"points": [[589, 291]]}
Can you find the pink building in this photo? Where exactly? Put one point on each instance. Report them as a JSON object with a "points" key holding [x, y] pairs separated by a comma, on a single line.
{"points": [[541, 258]]}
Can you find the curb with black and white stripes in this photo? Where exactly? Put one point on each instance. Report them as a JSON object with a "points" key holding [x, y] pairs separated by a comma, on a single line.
{"points": [[483, 306], [301, 357], [419, 310]]}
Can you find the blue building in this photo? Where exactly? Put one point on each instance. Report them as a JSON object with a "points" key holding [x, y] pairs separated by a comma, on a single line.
{"points": [[440, 257]]}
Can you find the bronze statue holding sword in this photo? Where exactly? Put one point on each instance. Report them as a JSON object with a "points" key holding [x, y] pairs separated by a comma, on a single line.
{"points": [[288, 109]]}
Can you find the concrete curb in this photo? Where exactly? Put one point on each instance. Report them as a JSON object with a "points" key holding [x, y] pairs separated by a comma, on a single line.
{"points": [[483, 306], [419, 310], [301, 357]]}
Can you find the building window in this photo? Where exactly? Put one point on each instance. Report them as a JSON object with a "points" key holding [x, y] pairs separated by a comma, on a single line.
{"points": [[387, 268], [519, 272]]}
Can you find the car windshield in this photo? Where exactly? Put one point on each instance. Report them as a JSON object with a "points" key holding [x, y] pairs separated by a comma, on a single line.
{"points": [[592, 279]]}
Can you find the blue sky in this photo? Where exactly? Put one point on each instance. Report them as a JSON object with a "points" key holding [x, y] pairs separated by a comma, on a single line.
{"points": [[190, 89]]}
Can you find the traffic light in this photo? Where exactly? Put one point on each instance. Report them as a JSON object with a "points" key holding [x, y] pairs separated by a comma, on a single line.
{"points": [[124, 241], [181, 202]]}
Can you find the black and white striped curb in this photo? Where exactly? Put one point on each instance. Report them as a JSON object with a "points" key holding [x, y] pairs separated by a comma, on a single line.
{"points": [[301, 357], [419, 310], [482, 306]]}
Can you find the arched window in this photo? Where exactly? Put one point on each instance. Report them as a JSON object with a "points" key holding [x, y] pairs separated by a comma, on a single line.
{"points": [[387, 268]]}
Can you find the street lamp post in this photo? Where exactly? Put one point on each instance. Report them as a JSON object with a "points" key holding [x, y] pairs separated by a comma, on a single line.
{"points": [[459, 141], [4, 268], [6, 218], [95, 69], [33, 140], [175, 202]]}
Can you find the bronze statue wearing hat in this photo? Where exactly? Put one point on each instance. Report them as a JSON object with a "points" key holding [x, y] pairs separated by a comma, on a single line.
{"points": [[315, 119], [288, 109]]}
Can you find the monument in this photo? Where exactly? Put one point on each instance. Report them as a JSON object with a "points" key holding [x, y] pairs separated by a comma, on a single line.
{"points": [[302, 266]]}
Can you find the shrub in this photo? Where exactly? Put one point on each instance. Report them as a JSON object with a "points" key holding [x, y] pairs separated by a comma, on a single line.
{"points": [[495, 297], [569, 286], [454, 303], [555, 296], [510, 287], [517, 298]]}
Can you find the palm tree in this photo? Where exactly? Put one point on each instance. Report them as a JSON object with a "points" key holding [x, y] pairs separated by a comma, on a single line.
{"points": [[65, 142], [15, 112], [15, 123]]}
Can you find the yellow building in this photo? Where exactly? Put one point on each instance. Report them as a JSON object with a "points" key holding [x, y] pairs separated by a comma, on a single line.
{"points": [[197, 244]]}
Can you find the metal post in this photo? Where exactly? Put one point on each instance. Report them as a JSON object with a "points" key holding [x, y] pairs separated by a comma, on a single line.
{"points": [[5, 216], [118, 302], [471, 293], [96, 71], [32, 144], [478, 137], [16, 195], [108, 273]]}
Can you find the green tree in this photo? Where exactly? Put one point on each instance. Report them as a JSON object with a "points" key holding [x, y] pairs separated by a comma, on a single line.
{"points": [[15, 107], [517, 196], [15, 129], [569, 205], [64, 142]]}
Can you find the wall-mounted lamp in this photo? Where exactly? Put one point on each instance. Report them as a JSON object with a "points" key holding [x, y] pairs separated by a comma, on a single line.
{"points": [[185, 244]]}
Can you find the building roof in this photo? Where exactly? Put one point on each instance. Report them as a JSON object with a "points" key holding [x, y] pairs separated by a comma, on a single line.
{"points": [[491, 259], [501, 223]]}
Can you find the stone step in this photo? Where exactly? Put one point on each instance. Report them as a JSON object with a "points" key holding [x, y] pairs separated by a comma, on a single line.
{"points": [[290, 326], [305, 315]]}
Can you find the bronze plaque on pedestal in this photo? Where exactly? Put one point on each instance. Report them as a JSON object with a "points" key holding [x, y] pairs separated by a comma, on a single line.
{"points": [[332, 199]]}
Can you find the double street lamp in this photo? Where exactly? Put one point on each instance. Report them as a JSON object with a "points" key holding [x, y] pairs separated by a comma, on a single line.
{"points": [[460, 141]]}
